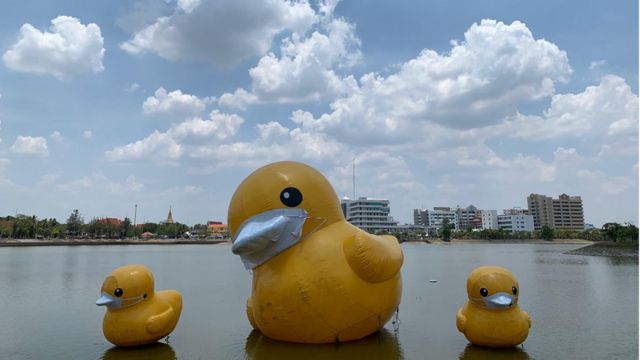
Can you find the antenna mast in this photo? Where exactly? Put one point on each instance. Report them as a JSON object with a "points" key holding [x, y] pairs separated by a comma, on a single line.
{"points": [[354, 179]]}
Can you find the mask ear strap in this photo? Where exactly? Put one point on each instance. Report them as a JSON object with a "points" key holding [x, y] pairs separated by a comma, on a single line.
{"points": [[322, 222], [135, 299]]}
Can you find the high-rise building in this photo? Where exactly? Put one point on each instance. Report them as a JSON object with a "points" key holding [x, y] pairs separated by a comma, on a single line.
{"points": [[489, 219], [568, 212], [565, 212], [466, 217], [432, 219], [369, 214], [541, 208]]}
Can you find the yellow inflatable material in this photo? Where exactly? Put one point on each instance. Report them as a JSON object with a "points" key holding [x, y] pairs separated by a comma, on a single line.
{"points": [[491, 317], [316, 278], [136, 315]]}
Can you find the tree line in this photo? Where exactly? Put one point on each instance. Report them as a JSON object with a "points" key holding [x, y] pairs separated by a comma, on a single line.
{"points": [[30, 227]]}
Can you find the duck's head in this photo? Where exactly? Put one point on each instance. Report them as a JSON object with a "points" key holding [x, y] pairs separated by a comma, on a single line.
{"points": [[276, 206], [126, 286], [493, 287]]}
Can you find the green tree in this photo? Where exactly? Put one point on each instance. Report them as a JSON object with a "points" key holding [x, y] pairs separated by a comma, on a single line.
{"points": [[150, 227], [628, 232], [611, 230], [74, 223], [547, 233], [445, 232], [23, 227], [126, 228], [5, 231]]}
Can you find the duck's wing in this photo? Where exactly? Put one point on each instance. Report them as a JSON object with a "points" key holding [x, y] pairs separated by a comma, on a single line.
{"points": [[159, 322], [461, 321], [528, 317], [373, 258]]}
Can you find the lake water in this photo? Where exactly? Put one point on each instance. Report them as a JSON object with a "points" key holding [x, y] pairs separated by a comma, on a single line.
{"points": [[582, 307]]}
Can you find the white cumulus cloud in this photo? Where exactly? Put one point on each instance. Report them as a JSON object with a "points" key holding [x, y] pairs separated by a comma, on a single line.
{"points": [[220, 32], [180, 138], [29, 145], [305, 69], [480, 81], [157, 145], [57, 136], [174, 103], [68, 48]]}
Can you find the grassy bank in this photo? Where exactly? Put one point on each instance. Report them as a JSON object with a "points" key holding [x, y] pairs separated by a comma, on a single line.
{"points": [[606, 248]]}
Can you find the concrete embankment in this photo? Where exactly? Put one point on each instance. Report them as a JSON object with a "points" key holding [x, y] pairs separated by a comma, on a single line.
{"points": [[607, 248]]}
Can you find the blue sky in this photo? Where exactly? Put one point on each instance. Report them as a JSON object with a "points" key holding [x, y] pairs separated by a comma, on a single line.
{"points": [[104, 105]]}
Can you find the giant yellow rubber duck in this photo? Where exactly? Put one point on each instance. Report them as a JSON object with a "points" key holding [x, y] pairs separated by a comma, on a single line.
{"points": [[136, 314], [316, 278], [491, 317]]}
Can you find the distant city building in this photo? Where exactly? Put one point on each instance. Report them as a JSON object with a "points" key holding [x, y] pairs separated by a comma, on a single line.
{"points": [[466, 217], [110, 221], [589, 227], [514, 211], [515, 222], [169, 217], [369, 214], [432, 219], [217, 229], [565, 212], [410, 228], [489, 219]]}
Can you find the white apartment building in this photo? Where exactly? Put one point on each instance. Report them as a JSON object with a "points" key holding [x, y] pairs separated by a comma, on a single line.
{"points": [[489, 219], [515, 222], [369, 214]]}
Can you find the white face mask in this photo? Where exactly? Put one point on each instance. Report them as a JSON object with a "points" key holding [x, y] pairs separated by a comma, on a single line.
{"points": [[497, 301], [267, 234], [118, 303]]}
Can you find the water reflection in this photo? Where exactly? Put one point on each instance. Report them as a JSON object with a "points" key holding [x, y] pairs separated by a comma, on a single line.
{"points": [[381, 345], [472, 352], [155, 351], [622, 260]]}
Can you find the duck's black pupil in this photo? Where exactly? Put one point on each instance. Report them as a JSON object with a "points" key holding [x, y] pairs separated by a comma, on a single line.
{"points": [[484, 292], [118, 292], [514, 290], [291, 197]]}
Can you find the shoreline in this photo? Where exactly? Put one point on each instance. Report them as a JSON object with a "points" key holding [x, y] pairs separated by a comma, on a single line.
{"points": [[34, 242], [430, 241], [436, 241]]}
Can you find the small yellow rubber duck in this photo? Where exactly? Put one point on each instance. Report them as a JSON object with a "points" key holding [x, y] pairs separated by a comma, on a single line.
{"points": [[316, 278], [491, 317], [136, 315]]}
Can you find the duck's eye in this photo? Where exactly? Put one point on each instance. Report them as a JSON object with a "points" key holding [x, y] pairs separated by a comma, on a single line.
{"points": [[514, 290], [118, 292], [291, 197], [484, 292]]}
